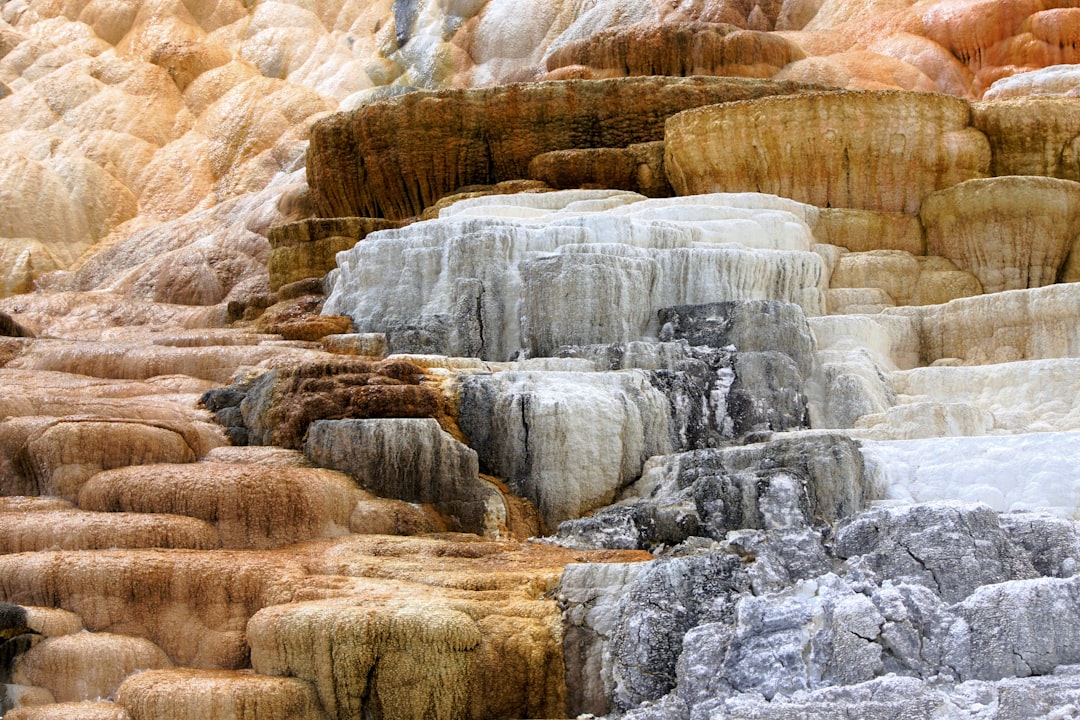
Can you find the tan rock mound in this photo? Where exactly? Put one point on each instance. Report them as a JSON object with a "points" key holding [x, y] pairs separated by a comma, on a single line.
{"points": [[394, 158], [1032, 136], [70, 711], [638, 168], [59, 458], [904, 278], [1003, 327], [70, 530], [207, 695], [307, 248], [1011, 232], [251, 506], [836, 160], [866, 230], [279, 407], [86, 666], [674, 49], [405, 653]]}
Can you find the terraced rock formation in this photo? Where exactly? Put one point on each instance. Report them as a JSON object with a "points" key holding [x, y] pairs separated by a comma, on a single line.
{"points": [[745, 392]]}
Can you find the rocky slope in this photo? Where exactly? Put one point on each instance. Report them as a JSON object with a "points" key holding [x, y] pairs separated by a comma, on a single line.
{"points": [[746, 389]]}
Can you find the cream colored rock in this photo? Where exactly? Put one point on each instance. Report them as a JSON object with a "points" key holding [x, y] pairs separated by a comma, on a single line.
{"points": [[86, 666], [209, 695], [1010, 232], [1054, 80], [911, 421], [1019, 397], [747, 146], [1015, 325]]}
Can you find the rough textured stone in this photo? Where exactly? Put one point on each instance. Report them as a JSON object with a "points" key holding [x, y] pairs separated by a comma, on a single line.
{"points": [[307, 248], [681, 49], [730, 148], [1032, 136], [395, 158], [1011, 232], [412, 460]]}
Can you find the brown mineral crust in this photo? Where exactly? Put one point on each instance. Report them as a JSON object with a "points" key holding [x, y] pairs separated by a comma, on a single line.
{"points": [[678, 50], [212, 695], [826, 148], [253, 507], [60, 664], [73, 530], [338, 389], [394, 158], [193, 604], [1032, 136], [637, 168], [475, 615], [307, 248], [70, 711]]}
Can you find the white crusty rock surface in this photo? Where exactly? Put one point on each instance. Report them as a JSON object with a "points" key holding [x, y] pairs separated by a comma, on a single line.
{"points": [[504, 274]]}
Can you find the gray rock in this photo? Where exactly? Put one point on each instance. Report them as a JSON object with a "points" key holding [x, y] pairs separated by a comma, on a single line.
{"points": [[408, 459], [749, 326], [567, 441], [1022, 628], [665, 602], [1052, 543], [952, 549]]}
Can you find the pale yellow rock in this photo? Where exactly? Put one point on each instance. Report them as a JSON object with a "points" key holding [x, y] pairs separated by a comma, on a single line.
{"points": [[86, 666], [1020, 397], [882, 151], [70, 711], [857, 301], [925, 420], [1011, 232], [865, 230], [417, 654], [1032, 136], [1003, 327], [210, 695]]}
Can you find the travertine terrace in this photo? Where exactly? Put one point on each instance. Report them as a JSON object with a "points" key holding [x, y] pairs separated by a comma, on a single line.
{"points": [[469, 360]]}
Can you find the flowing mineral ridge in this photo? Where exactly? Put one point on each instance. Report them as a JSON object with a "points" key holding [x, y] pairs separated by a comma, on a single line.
{"points": [[482, 359]]}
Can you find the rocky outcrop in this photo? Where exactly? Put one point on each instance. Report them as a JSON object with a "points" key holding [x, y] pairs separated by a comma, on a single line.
{"points": [[1031, 136], [728, 148], [914, 590], [637, 168], [677, 50], [412, 460], [277, 407], [1011, 232], [395, 158], [1015, 325], [307, 248], [498, 271], [566, 441], [203, 695]]}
